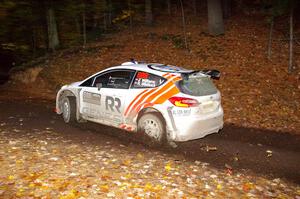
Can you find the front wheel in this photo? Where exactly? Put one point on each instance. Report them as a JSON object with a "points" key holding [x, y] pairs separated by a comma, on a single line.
{"points": [[151, 125], [69, 109]]}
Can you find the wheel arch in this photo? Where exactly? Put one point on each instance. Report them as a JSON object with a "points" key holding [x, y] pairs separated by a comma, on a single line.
{"points": [[60, 96], [159, 114], [151, 110], [167, 118]]}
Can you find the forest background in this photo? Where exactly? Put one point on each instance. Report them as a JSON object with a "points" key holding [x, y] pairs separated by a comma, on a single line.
{"points": [[255, 44]]}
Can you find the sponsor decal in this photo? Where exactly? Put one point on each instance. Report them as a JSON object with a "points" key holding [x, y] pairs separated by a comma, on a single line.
{"points": [[91, 98], [98, 114], [142, 75], [145, 82], [112, 104], [181, 112], [149, 97]]}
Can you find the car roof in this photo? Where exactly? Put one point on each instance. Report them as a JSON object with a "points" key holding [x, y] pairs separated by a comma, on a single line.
{"points": [[155, 68]]}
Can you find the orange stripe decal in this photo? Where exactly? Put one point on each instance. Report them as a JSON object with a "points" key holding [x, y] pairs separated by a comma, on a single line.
{"points": [[166, 75], [138, 107], [177, 79], [164, 88], [167, 95], [131, 103], [137, 103], [145, 98]]}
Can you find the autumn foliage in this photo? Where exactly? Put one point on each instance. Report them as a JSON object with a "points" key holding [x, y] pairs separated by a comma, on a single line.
{"points": [[256, 91]]}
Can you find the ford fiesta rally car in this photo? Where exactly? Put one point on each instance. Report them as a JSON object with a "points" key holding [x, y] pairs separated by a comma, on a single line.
{"points": [[161, 101]]}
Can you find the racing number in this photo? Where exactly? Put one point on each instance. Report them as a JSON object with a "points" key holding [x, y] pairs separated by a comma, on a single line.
{"points": [[112, 103]]}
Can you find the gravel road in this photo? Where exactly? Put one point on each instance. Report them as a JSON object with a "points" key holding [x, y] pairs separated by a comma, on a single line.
{"points": [[40, 156]]}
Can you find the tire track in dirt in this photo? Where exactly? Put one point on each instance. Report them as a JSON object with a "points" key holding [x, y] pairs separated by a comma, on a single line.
{"points": [[267, 153]]}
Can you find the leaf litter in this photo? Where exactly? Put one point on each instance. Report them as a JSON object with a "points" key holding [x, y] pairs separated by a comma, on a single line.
{"points": [[46, 165]]}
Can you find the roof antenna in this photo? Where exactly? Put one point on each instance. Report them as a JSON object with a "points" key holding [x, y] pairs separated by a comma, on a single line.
{"points": [[133, 61]]}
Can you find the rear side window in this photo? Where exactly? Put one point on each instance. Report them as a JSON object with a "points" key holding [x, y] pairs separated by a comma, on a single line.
{"points": [[147, 80], [115, 79], [197, 86]]}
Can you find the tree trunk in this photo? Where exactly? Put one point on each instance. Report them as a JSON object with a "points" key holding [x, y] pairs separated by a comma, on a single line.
{"points": [[105, 21], [95, 21], [169, 7], [226, 4], [77, 24], [130, 17], [270, 38], [290, 68], [53, 41], [83, 27], [148, 12], [34, 41], [183, 25], [104, 8], [102, 14], [109, 13], [194, 4], [215, 17]]}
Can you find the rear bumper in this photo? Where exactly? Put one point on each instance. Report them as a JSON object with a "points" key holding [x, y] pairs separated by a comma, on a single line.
{"points": [[190, 128]]}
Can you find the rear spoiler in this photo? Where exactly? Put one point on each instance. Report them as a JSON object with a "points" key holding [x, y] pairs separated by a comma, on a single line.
{"points": [[214, 74]]}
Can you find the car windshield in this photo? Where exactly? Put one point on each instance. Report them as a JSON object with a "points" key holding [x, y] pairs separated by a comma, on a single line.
{"points": [[197, 86]]}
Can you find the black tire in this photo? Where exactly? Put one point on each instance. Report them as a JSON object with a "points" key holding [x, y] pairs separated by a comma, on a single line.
{"points": [[69, 109], [152, 127]]}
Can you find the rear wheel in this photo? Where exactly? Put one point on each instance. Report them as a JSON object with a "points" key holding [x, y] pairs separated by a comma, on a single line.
{"points": [[151, 125], [69, 109]]}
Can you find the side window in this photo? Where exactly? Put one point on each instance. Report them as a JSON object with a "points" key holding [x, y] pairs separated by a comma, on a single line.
{"points": [[88, 82], [115, 79], [147, 80]]}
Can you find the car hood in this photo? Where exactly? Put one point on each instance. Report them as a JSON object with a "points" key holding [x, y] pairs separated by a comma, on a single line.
{"points": [[71, 85], [75, 83]]}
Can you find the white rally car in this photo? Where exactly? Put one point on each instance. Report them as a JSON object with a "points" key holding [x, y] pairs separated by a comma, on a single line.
{"points": [[165, 103]]}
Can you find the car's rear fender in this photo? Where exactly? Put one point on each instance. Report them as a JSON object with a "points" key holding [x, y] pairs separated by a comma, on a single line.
{"points": [[164, 113]]}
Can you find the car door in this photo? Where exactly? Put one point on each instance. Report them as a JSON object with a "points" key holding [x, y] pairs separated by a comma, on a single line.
{"points": [[104, 101], [144, 88]]}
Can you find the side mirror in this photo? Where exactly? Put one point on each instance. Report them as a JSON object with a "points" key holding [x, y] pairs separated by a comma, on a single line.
{"points": [[214, 74], [99, 86]]}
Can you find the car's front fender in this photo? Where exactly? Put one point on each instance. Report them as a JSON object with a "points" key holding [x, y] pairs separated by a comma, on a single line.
{"points": [[64, 92]]}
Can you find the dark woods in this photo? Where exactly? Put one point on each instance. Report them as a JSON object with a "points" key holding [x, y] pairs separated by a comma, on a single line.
{"points": [[30, 28]]}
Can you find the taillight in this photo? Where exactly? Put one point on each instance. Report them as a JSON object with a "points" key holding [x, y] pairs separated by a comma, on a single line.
{"points": [[183, 101]]}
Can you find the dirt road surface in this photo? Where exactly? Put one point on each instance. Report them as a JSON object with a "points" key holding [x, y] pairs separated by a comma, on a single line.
{"points": [[41, 156]]}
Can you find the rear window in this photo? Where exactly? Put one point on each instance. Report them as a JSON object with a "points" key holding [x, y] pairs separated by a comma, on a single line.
{"points": [[197, 86], [147, 80]]}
